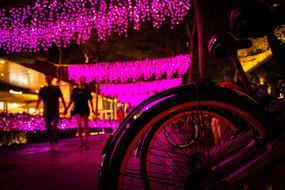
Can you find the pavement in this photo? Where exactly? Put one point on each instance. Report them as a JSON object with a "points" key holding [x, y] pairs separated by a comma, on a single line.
{"points": [[33, 166]]}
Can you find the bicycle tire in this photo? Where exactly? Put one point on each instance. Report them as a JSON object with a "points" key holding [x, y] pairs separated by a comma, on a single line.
{"points": [[122, 151]]}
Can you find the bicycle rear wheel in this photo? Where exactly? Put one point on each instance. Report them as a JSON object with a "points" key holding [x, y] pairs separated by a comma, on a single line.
{"points": [[156, 168]]}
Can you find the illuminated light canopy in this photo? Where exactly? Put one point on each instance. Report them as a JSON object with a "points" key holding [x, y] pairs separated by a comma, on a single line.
{"points": [[35, 27], [131, 71], [137, 92]]}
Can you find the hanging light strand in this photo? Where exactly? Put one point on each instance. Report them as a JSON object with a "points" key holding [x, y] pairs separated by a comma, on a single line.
{"points": [[132, 71], [135, 93], [35, 27]]}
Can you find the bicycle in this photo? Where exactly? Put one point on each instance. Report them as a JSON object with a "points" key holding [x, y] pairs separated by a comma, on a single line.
{"points": [[140, 154]]}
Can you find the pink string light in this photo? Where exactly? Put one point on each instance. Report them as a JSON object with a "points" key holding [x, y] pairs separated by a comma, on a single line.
{"points": [[21, 122], [137, 92], [122, 72], [37, 26]]}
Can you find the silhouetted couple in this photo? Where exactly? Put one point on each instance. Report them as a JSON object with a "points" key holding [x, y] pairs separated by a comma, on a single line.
{"points": [[80, 96]]}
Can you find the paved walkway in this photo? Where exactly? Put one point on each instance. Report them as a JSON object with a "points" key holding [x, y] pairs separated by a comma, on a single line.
{"points": [[32, 166]]}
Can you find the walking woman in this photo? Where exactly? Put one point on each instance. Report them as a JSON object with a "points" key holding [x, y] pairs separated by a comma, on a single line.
{"points": [[80, 96]]}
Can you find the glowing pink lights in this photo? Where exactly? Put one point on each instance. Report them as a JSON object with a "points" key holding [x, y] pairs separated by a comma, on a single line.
{"points": [[30, 123], [132, 71], [137, 92], [37, 26]]}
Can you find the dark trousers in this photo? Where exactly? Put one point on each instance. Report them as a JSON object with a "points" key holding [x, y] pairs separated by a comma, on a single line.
{"points": [[51, 127]]}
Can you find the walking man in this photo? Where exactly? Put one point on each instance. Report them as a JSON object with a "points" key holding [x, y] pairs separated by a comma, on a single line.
{"points": [[50, 95]]}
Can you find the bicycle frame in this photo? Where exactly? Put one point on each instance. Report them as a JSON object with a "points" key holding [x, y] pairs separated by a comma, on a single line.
{"points": [[269, 156]]}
